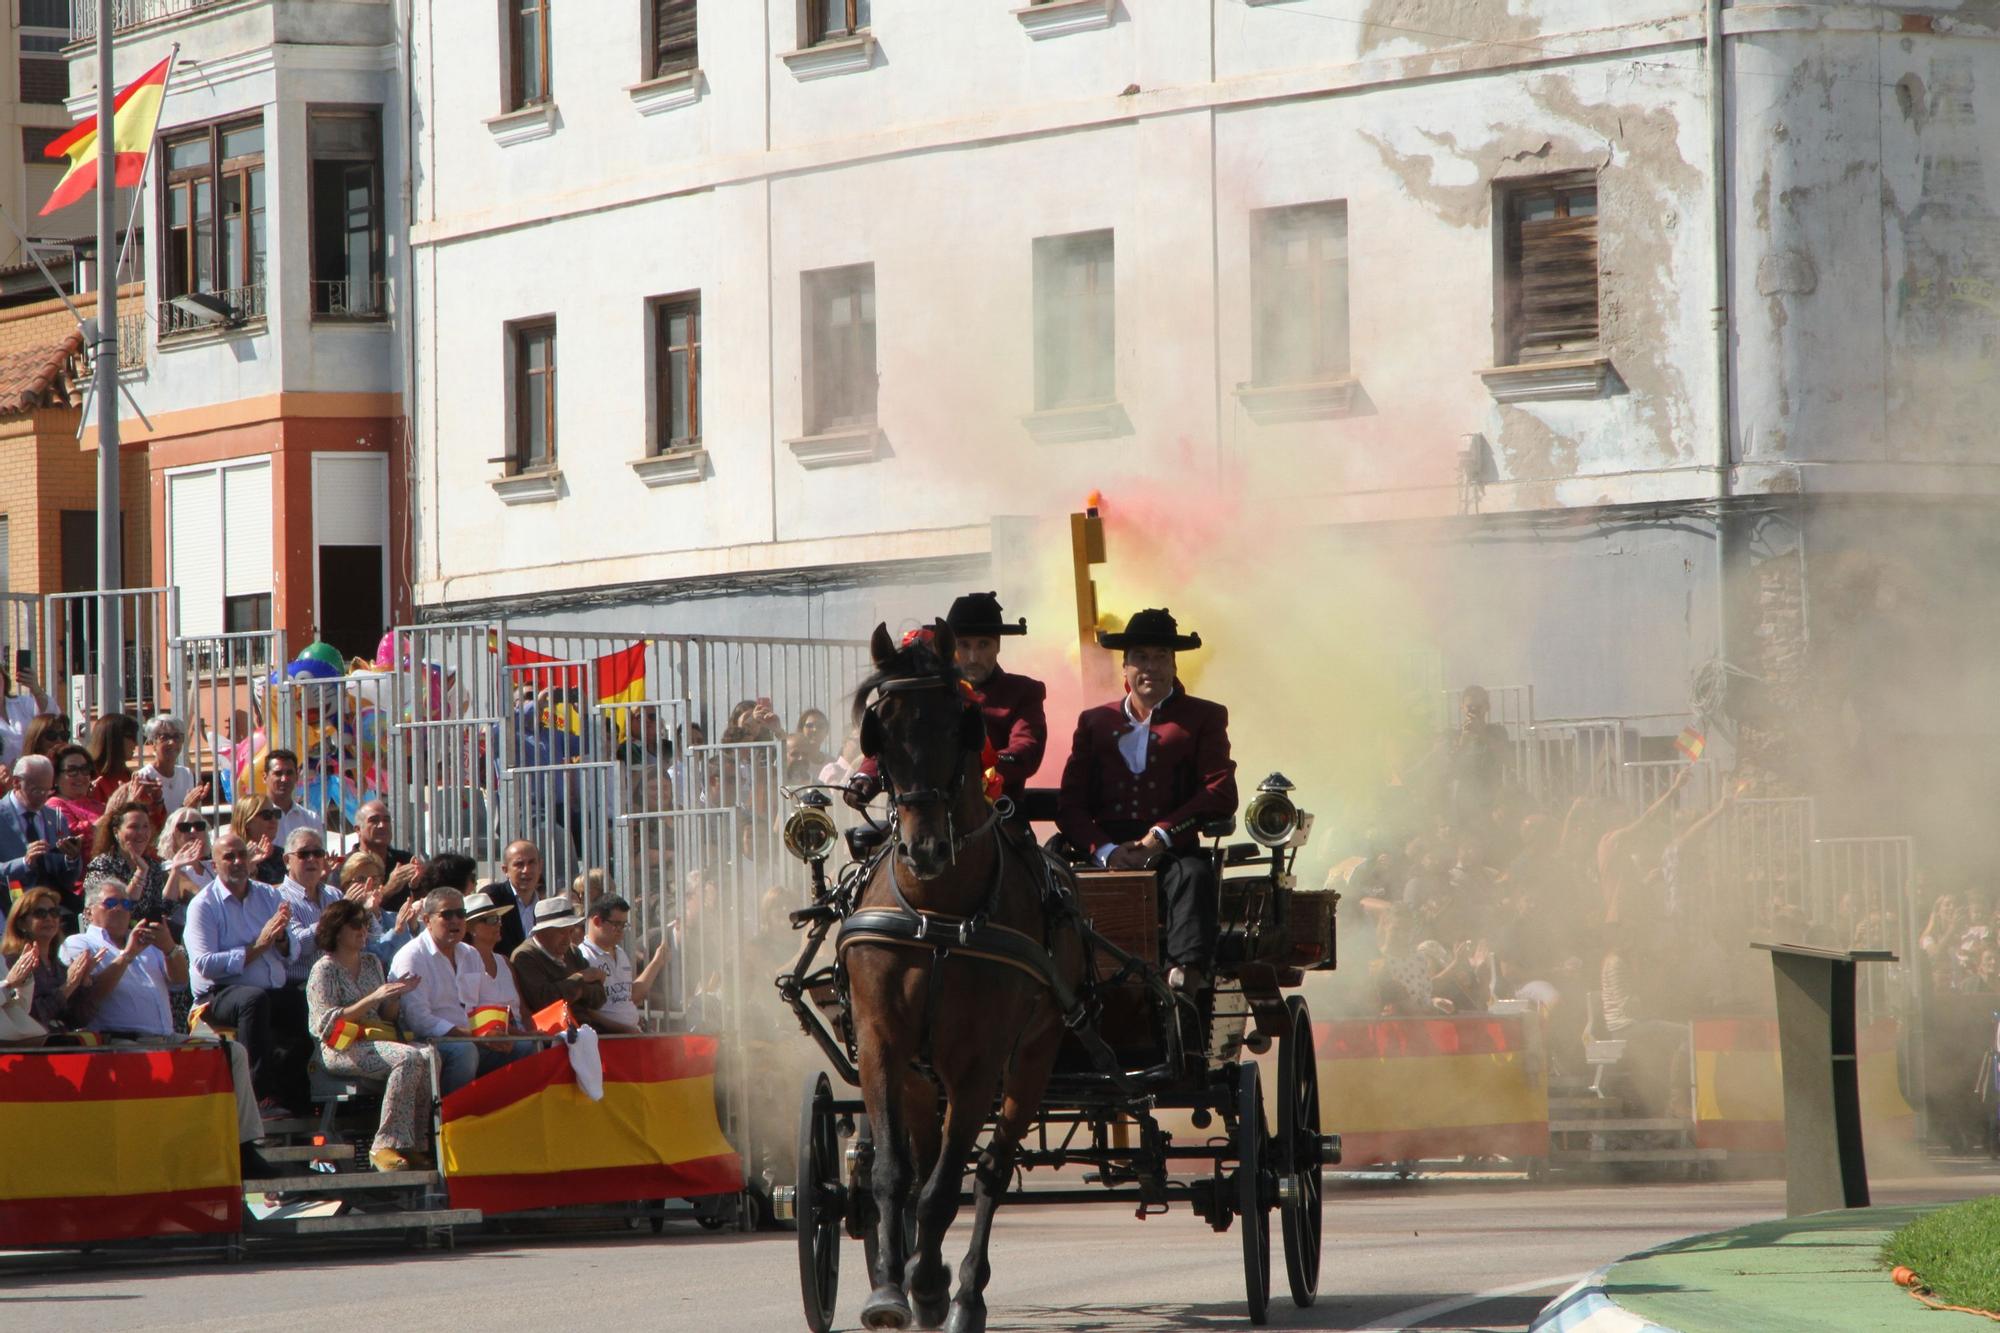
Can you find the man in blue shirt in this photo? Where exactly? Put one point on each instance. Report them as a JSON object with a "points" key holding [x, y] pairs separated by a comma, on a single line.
{"points": [[237, 943], [37, 848]]}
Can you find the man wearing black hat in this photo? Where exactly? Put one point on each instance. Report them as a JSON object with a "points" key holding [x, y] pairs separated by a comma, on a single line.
{"points": [[1012, 705], [1145, 773]]}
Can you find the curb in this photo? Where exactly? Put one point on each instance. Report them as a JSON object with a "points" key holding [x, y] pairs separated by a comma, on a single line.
{"points": [[1585, 1308]]}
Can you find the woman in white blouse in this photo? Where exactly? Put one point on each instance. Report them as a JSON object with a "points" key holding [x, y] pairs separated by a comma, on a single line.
{"points": [[493, 981]]}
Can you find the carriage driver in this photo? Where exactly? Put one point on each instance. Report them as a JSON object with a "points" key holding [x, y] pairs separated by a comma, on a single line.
{"points": [[1144, 774], [1012, 705]]}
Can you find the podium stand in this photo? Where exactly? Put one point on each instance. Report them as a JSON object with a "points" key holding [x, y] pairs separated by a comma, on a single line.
{"points": [[1824, 1165]]}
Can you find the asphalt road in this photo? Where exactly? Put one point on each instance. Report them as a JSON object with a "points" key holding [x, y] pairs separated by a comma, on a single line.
{"points": [[1432, 1255]]}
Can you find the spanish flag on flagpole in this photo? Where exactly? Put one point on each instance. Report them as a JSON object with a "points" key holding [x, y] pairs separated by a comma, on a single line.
{"points": [[134, 117]]}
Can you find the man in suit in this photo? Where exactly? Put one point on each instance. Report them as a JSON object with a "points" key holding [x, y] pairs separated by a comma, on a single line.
{"points": [[1017, 725], [37, 848], [522, 863], [1145, 772]]}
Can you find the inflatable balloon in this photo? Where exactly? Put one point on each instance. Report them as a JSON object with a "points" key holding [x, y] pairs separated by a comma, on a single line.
{"points": [[321, 651], [385, 651], [311, 668]]}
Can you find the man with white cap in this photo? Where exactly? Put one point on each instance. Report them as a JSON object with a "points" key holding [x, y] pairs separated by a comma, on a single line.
{"points": [[548, 966]]}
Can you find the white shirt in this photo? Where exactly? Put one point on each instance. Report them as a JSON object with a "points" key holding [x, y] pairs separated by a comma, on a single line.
{"points": [[297, 817], [475, 988], [435, 1006], [19, 710], [617, 965], [174, 787], [139, 1002]]}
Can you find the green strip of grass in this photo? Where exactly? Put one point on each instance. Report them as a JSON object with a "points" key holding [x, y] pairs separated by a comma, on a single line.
{"points": [[1956, 1251]]}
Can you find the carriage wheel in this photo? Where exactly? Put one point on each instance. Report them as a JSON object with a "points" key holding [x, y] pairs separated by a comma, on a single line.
{"points": [[1299, 1199], [818, 1204], [1251, 1141]]}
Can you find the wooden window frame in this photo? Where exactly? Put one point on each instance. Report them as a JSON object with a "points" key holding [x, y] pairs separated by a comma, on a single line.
{"points": [[1270, 288], [212, 172], [515, 95], [662, 311], [377, 239], [1519, 342], [818, 288], [683, 58], [516, 460], [1053, 257], [817, 30]]}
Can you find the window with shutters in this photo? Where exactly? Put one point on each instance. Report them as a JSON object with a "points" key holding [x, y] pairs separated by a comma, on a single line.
{"points": [[839, 348], [671, 37], [1075, 320], [219, 551], [677, 373], [44, 33], [531, 352], [525, 38], [346, 198], [831, 20], [1299, 292], [1549, 296]]}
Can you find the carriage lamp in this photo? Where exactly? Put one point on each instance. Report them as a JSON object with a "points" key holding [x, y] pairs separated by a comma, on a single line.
{"points": [[1272, 819], [810, 834]]}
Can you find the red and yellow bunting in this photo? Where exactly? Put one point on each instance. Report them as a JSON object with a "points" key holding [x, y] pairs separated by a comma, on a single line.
{"points": [[117, 1145], [1400, 1088], [526, 1136], [1739, 1092], [489, 1020]]}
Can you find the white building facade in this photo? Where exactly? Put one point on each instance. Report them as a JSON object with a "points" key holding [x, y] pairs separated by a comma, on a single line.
{"points": [[1612, 309]]}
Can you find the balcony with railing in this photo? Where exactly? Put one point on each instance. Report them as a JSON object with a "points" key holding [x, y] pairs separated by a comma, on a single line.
{"points": [[130, 14], [359, 299], [211, 312]]}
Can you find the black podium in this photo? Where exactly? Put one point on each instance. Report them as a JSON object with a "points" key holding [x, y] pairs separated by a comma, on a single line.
{"points": [[1824, 1165]]}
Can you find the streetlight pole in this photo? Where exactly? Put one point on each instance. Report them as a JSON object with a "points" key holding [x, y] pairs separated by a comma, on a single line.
{"points": [[104, 374]]}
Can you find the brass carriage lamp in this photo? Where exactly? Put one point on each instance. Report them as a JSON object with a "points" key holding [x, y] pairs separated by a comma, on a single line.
{"points": [[810, 834], [1272, 818]]}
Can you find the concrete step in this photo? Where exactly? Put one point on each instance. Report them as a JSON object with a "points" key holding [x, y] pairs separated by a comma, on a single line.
{"points": [[343, 1182], [295, 1125], [1594, 1155], [352, 1223], [342, 1153], [1587, 1105], [1621, 1125]]}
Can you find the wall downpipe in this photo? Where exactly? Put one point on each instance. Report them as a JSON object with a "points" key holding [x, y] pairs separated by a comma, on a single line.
{"points": [[1725, 416]]}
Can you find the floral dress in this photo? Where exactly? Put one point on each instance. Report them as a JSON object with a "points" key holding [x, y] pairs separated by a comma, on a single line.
{"points": [[330, 988]]}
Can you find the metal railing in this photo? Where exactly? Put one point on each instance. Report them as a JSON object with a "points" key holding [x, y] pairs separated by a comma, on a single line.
{"points": [[145, 622], [246, 305], [342, 298], [218, 688], [128, 14]]}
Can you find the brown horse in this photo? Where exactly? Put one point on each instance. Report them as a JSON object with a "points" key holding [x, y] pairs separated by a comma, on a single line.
{"points": [[946, 1022]]}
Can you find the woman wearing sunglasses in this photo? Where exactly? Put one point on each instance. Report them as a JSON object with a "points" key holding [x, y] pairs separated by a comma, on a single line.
{"points": [[255, 820], [80, 805], [124, 846], [35, 977]]}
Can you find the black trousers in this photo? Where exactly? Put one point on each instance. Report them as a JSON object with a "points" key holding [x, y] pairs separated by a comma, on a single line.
{"points": [[271, 1025], [1188, 909]]}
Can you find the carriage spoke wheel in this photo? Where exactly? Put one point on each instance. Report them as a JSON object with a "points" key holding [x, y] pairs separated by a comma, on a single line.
{"points": [[1251, 1144], [1298, 1145], [819, 1204]]}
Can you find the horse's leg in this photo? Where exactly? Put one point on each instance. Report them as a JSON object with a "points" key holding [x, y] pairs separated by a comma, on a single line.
{"points": [[968, 1097], [882, 1062], [1025, 1083]]}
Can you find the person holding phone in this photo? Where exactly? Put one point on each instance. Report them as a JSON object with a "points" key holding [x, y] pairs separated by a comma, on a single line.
{"points": [[74, 799], [18, 710], [178, 786]]}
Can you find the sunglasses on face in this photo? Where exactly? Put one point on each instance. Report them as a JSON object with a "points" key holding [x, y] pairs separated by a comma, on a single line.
{"points": [[44, 913], [118, 904], [194, 826], [72, 770], [265, 814], [452, 913], [310, 853]]}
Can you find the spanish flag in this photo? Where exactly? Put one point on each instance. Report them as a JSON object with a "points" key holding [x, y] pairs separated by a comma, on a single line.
{"points": [[1739, 1093], [1434, 1087], [525, 1136], [489, 1020], [621, 675], [117, 1145], [343, 1034], [1691, 743], [134, 116]]}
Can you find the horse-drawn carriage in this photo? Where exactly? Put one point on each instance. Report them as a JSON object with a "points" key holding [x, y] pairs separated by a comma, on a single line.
{"points": [[1134, 1064]]}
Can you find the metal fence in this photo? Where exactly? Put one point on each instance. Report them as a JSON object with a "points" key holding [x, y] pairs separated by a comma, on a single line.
{"points": [[144, 621], [1641, 782], [340, 729], [218, 687]]}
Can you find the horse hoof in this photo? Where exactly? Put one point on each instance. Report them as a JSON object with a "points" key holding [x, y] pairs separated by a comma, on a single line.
{"points": [[887, 1307], [929, 1300], [930, 1310], [966, 1317]]}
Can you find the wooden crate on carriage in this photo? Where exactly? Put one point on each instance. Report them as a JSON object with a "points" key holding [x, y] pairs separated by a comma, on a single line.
{"points": [[1124, 907]]}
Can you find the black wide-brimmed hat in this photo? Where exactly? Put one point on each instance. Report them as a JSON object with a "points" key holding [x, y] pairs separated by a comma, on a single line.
{"points": [[979, 613], [1155, 627]]}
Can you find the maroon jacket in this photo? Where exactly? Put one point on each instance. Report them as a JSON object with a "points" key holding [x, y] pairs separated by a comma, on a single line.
{"points": [[1189, 777], [1016, 725]]}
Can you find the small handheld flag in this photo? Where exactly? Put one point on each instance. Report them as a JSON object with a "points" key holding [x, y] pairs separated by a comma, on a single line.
{"points": [[343, 1034], [489, 1020], [1691, 743], [135, 115]]}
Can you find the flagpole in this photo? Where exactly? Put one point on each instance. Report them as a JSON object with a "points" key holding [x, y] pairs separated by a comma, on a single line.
{"points": [[104, 372]]}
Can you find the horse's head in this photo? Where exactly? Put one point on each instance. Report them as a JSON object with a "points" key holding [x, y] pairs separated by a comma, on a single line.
{"points": [[924, 735]]}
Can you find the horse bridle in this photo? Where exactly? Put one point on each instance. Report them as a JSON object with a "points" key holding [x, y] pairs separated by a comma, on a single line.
{"points": [[948, 796]]}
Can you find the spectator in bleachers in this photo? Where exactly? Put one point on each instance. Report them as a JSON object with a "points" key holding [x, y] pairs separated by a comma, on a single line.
{"points": [[237, 943], [113, 742], [123, 847], [307, 893], [138, 968], [434, 1010], [587, 887], [255, 820], [38, 848], [75, 778], [399, 868], [178, 785], [358, 868], [548, 966], [18, 711], [349, 1010], [30, 951], [805, 749], [522, 864], [46, 733], [492, 982], [281, 784], [188, 826], [603, 947]]}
